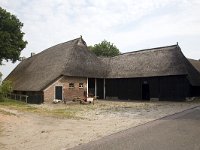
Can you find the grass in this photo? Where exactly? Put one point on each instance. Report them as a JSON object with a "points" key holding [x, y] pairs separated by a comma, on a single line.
{"points": [[17, 105], [24, 107], [6, 112], [64, 113], [10, 102], [69, 111]]}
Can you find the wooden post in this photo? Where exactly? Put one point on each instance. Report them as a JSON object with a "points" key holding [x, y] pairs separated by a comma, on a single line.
{"points": [[95, 87], [26, 98], [87, 87], [104, 89]]}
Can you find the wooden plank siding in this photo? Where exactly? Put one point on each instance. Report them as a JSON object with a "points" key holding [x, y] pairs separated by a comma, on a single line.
{"points": [[164, 88]]}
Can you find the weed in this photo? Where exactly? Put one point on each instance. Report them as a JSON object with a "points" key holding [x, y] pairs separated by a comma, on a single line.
{"points": [[6, 112]]}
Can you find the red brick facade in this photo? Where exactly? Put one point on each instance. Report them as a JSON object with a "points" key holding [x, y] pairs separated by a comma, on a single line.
{"points": [[67, 92]]}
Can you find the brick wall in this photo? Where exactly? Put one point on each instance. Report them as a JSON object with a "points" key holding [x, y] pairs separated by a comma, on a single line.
{"points": [[68, 93]]}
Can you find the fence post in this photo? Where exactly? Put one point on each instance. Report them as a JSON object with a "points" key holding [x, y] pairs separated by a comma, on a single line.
{"points": [[18, 97], [26, 98]]}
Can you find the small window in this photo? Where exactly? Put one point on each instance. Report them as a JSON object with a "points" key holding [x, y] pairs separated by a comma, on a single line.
{"points": [[71, 85], [80, 85]]}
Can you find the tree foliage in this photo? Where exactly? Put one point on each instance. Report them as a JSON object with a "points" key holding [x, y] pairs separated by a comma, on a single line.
{"points": [[11, 37], [105, 48], [5, 87], [0, 77]]}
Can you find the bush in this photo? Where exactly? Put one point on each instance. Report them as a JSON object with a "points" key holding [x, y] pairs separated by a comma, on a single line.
{"points": [[5, 87]]}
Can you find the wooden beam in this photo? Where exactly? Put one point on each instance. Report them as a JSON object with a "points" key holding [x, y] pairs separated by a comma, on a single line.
{"points": [[104, 88], [95, 87], [87, 87]]}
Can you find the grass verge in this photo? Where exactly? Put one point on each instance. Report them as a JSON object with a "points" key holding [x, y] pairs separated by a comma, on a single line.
{"points": [[6, 112], [24, 107]]}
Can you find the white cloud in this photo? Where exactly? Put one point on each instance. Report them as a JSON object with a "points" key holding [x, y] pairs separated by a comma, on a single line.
{"points": [[128, 24]]}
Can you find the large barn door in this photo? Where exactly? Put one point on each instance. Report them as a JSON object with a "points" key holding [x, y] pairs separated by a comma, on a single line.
{"points": [[58, 92], [145, 91], [100, 88], [91, 86]]}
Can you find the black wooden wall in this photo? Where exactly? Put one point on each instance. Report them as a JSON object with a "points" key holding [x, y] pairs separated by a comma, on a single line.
{"points": [[164, 88], [174, 87]]}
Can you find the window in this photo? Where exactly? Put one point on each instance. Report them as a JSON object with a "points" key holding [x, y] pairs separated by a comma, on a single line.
{"points": [[80, 85], [71, 85]]}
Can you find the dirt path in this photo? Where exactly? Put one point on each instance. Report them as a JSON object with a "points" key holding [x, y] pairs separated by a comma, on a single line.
{"points": [[23, 130]]}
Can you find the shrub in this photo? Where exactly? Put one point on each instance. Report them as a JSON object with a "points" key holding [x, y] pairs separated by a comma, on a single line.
{"points": [[5, 87]]}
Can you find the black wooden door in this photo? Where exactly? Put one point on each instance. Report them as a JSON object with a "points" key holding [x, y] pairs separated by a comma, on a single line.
{"points": [[145, 92], [100, 90], [58, 92]]}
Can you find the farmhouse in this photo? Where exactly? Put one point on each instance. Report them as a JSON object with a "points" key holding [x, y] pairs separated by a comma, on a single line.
{"points": [[69, 70]]}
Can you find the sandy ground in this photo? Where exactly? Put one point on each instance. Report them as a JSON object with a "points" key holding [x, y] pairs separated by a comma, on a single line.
{"points": [[24, 131]]}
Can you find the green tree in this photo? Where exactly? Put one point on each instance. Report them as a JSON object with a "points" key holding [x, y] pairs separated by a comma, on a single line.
{"points": [[11, 37], [105, 48], [1, 77], [5, 87]]}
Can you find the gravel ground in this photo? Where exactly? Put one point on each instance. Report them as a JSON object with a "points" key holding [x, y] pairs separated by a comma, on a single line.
{"points": [[25, 130]]}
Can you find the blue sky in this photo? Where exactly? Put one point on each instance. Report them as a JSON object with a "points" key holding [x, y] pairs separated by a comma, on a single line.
{"points": [[129, 24]]}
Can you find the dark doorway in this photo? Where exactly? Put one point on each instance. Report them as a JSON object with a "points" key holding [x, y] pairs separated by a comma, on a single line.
{"points": [[58, 92], [91, 86], [195, 91], [100, 88], [145, 91]]}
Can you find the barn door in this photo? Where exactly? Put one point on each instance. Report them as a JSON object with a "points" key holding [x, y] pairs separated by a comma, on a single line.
{"points": [[145, 91], [58, 92], [100, 90]]}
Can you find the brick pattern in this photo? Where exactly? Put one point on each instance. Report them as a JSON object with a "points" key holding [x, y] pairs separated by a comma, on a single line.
{"points": [[68, 93]]}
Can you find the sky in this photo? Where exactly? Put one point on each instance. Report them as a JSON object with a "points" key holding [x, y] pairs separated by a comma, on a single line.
{"points": [[129, 24]]}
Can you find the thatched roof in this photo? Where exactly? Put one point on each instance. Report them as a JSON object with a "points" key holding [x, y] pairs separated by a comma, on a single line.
{"points": [[73, 58], [195, 63], [161, 61]]}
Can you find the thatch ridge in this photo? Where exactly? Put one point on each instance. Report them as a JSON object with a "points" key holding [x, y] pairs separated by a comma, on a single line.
{"points": [[149, 49]]}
